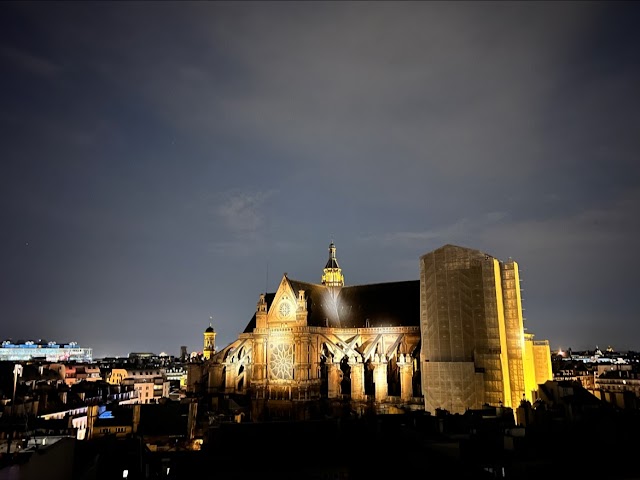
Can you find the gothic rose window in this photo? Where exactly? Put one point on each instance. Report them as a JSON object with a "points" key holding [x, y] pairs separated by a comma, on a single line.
{"points": [[285, 309], [281, 362]]}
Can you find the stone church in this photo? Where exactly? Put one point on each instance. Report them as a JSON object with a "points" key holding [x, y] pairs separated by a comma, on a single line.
{"points": [[321, 345], [453, 340]]}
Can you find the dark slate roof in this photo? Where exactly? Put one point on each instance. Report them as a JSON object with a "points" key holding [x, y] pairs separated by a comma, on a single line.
{"points": [[321, 306], [389, 304], [332, 263], [252, 323]]}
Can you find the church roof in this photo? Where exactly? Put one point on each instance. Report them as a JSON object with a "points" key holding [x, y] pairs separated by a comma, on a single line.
{"points": [[252, 323], [390, 304], [322, 308], [332, 263]]}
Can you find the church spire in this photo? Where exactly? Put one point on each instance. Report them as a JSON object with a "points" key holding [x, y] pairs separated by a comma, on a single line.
{"points": [[332, 276]]}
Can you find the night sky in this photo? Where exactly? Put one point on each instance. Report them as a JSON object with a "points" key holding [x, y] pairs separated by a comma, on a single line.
{"points": [[163, 163]]}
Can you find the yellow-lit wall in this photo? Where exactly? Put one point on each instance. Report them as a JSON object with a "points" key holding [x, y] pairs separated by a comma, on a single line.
{"points": [[454, 281], [531, 385], [209, 345], [515, 332], [116, 376], [542, 359], [333, 277], [504, 333]]}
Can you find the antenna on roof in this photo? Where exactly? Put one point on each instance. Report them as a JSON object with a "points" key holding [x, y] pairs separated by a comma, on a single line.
{"points": [[266, 284]]}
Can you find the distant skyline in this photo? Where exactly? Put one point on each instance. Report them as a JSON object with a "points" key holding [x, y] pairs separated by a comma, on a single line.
{"points": [[166, 162]]}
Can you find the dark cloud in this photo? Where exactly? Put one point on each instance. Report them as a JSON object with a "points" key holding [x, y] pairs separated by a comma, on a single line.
{"points": [[169, 161]]}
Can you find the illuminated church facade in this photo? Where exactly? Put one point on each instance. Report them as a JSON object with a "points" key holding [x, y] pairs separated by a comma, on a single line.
{"points": [[363, 348]]}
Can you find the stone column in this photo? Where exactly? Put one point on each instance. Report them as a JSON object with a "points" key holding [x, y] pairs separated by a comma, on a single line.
{"points": [[334, 378], [259, 358], [302, 362], [357, 378], [194, 376], [380, 377], [215, 376], [406, 375], [230, 378]]}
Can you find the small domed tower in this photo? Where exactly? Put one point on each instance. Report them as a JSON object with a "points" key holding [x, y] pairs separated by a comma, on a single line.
{"points": [[332, 276], [209, 342]]}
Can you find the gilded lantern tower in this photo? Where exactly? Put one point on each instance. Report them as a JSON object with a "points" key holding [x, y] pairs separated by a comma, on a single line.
{"points": [[332, 276]]}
